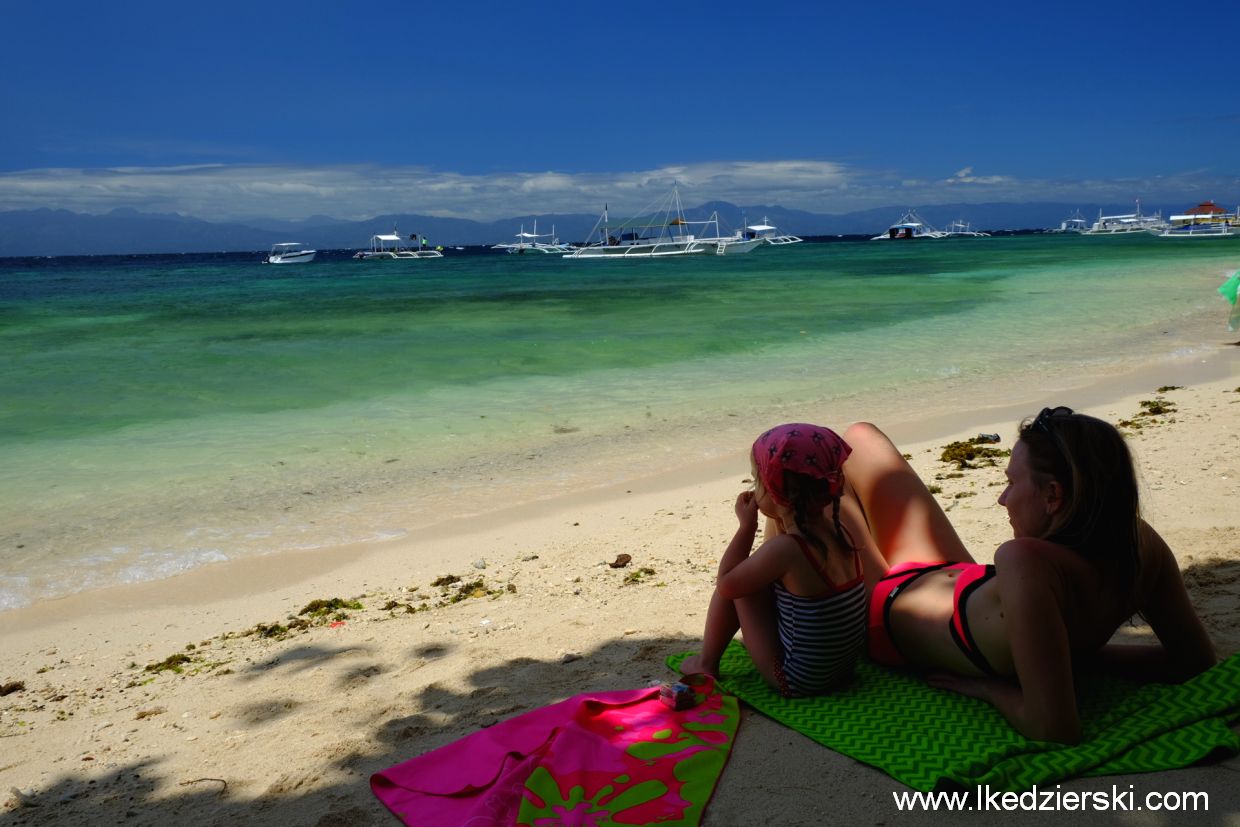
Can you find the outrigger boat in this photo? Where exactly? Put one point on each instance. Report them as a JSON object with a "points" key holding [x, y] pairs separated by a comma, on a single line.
{"points": [[963, 229], [771, 234], [1074, 223], [1206, 220], [1128, 223], [529, 243], [753, 236], [909, 226], [389, 247], [659, 233]]}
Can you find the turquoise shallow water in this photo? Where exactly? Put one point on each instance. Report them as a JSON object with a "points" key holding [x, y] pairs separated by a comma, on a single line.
{"points": [[164, 412]]}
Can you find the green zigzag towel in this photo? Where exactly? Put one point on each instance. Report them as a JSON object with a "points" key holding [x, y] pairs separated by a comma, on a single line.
{"points": [[928, 738]]}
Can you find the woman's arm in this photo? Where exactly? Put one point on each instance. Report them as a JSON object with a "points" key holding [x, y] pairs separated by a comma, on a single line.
{"points": [[1184, 648]]}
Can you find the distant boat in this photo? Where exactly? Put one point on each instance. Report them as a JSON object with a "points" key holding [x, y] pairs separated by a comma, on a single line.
{"points": [[1074, 223], [660, 232], [1206, 220], [753, 236], [1129, 223], [910, 226], [962, 229], [289, 252], [771, 235], [393, 247], [529, 243]]}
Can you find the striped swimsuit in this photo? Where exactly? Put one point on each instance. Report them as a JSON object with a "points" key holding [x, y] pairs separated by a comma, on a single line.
{"points": [[821, 636]]}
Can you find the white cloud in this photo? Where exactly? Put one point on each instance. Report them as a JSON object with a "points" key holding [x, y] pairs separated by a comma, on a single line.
{"points": [[235, 192], [966, 176]]}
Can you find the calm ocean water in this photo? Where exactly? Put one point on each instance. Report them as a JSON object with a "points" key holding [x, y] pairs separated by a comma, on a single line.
{"points": [[164, 412]]}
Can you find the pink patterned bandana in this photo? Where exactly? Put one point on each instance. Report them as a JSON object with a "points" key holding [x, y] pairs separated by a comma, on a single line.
{"points": [[812, 450]]}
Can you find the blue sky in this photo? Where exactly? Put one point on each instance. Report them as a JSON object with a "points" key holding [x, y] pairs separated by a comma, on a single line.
{"points": [[486, 109]]}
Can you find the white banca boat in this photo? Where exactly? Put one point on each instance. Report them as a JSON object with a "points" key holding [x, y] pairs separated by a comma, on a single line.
{"points": [[1206, 220], [289, 252], [394, 246], [1129, 223], [1074, 223], [529, 243], [772, 235], [658, 233], [909, 226], [963, 229], [752, 237]]}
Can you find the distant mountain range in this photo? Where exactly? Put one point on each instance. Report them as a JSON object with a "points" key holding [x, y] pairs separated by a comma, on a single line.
{"points": [[47, 232]]}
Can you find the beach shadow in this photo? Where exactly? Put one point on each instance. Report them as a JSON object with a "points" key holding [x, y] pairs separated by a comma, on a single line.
{"points": [[266, 711], [299, 659], [431, 651], [1213, 587], [139, 793], [136, 794], [359, 676]]}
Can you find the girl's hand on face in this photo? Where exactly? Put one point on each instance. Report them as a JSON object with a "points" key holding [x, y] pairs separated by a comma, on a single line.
{"points": [[747, 509]]}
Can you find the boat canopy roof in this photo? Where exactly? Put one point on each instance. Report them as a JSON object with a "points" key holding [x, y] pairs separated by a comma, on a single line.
{"points": [[388, 237], [287, 244], [760, 227]]}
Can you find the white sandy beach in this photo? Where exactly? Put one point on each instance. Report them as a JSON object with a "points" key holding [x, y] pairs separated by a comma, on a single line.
{"points": [[286, 728]]}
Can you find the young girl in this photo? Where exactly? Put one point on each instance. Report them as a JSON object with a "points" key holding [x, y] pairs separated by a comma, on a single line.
{"points": [[800, 599]]}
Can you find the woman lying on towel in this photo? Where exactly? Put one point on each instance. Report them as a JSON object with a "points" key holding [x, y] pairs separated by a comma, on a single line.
{"points": [[1081, 563]]}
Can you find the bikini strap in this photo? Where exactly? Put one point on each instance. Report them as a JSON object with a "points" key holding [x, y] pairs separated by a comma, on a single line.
{"points": [[959, 624]]}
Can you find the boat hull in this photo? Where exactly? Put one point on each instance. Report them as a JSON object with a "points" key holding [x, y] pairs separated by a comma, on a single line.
{"points": [[292, 258], [679, 248], [735, 248], [545, 249], [388, 255], [1125, 231], [1199, 233]]}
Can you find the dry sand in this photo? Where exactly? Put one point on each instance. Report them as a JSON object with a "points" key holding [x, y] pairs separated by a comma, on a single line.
{"points": [[266, 722]]}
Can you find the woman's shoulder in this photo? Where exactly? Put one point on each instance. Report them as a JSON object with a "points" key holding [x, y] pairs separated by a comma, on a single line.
{"points": [[1031, 555], [1032, 564]]}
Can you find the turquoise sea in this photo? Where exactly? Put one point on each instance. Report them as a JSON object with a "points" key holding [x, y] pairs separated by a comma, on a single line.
{"points": [[165, 412]]}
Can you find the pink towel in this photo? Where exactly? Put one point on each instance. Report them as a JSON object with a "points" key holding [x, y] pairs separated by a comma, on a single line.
{"points": [[592, 760]]}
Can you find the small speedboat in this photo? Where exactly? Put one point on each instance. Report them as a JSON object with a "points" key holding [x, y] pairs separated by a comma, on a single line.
{"points": [[289, 252]]}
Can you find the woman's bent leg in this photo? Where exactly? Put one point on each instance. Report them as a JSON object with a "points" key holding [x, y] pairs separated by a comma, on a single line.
{"points": [[904, 519]]}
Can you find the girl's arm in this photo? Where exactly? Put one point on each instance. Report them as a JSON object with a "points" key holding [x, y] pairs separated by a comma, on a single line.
{"points": [[741, 573]]}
